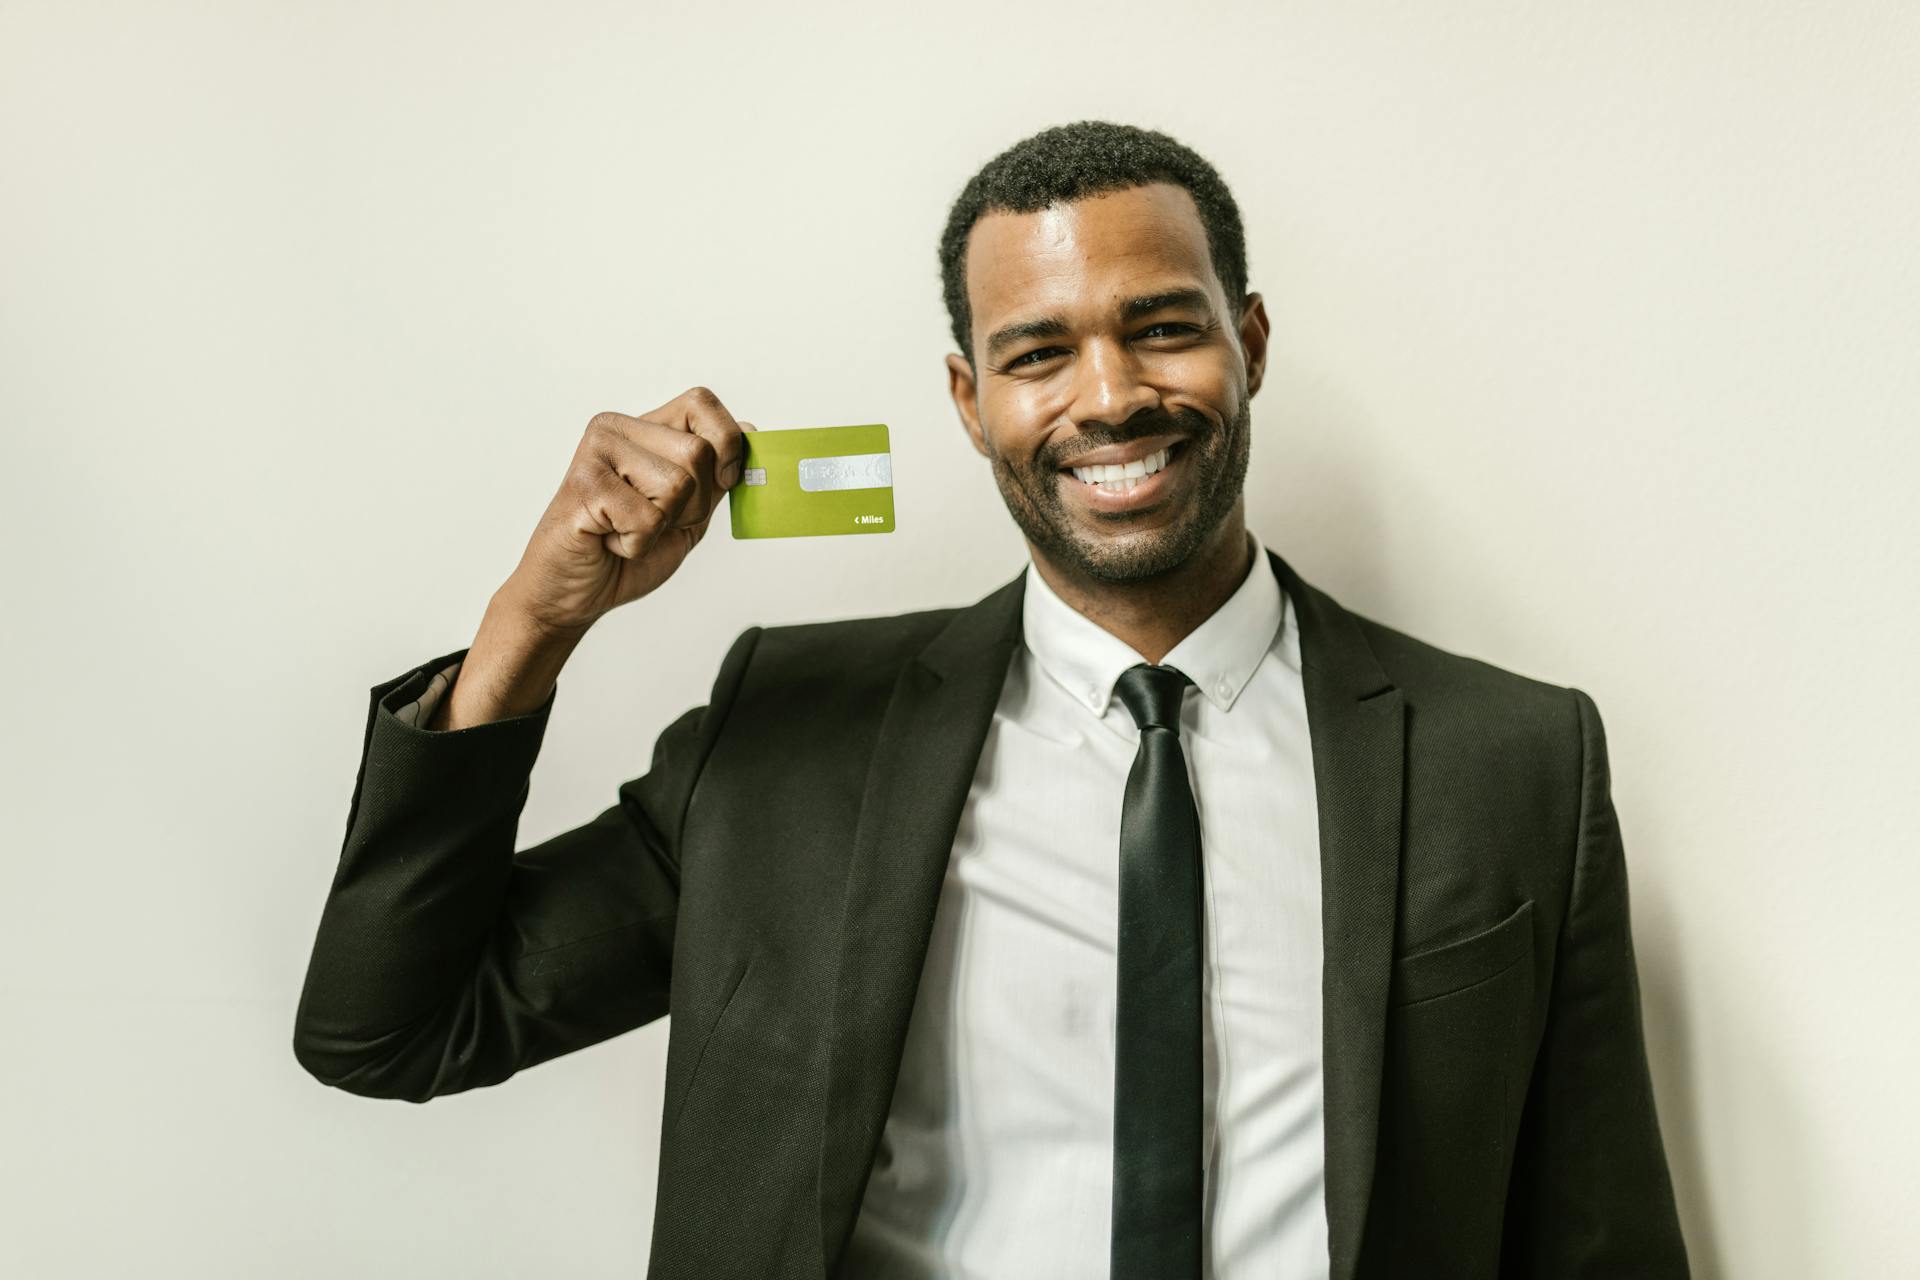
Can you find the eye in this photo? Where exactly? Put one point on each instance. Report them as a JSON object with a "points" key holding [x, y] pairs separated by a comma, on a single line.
{"points": [[1025, 356], [1174, 328]]}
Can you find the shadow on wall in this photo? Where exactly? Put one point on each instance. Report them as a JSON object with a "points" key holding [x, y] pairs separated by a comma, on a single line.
{"points": [[1658, 940]]}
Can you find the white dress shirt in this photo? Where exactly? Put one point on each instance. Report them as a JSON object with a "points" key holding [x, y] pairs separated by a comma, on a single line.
{"points": [[997, 1158]]}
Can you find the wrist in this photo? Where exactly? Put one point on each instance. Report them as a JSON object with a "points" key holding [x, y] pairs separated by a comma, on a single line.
{"points": [[510, 669], [511, 620]]}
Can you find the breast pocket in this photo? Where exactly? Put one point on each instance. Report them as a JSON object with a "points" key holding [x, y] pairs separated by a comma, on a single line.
{"points": [[1457, 1037], [1455, 966]]}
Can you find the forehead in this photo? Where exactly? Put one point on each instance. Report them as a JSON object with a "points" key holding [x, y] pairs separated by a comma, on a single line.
{"points": [[1085, 253]]}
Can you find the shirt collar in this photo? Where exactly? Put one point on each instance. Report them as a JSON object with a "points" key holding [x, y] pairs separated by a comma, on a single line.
{"points": [[1220, 655]]}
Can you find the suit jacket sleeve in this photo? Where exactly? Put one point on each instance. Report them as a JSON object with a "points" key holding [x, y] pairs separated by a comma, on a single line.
{"points": [[444, 960], [1591, 1195]]}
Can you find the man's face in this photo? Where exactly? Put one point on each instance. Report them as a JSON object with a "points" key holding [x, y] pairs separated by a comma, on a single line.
{"points": [[1102, 337]]}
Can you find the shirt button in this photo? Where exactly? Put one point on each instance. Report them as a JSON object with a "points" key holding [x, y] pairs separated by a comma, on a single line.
{"points": [[1223, 690]]}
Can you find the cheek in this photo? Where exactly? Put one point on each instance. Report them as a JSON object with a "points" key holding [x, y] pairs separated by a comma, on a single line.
{"points": [[1202, 380], [1023, 407], [1013, 422]]}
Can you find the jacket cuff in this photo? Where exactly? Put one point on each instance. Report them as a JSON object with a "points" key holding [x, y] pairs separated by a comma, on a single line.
{"points": [[487, 764], [408, 701]]}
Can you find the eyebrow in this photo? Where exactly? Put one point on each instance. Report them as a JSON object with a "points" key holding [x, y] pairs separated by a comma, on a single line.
{"points": [[1132, 309]]}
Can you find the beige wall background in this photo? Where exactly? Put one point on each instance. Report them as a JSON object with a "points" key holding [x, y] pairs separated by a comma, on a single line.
{"points": [[1594, 334]]}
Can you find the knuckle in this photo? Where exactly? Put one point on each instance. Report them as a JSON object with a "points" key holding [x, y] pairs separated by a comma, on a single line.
{"points": [[602, 422], [700, 451], [702, 395], [583, 475]]}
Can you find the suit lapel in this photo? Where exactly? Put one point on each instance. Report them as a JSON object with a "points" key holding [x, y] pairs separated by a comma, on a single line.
{"points": [[1356, 721], [923, 764]]}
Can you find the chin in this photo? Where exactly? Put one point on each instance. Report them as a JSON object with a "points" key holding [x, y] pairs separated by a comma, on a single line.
{"points": [[1130, 557]]}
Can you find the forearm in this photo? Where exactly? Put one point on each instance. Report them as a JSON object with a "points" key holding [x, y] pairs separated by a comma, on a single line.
{"points": [[421, 884], [509, 670], [446, 960]]}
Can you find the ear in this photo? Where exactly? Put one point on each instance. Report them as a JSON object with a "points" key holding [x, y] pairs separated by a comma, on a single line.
{"points": [[966, 398], [1253, 340]]}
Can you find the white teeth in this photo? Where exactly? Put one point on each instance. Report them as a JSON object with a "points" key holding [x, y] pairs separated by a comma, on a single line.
{"points": [[1109, 476]]}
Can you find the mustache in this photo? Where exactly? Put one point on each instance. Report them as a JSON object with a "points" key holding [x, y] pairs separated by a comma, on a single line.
{"points": [[1183, 422]]}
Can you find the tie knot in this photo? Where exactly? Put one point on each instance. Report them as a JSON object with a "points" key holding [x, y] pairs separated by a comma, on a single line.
{"points": [[1152, 695]]}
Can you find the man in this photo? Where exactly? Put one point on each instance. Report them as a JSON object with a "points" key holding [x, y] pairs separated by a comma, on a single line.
{"points": [[1154, 916]]}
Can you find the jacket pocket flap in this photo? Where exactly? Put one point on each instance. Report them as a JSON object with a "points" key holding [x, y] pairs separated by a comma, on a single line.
{"points": [[1456, 965]]}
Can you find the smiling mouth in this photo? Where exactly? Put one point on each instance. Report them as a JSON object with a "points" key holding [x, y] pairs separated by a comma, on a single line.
{"points": [[1119, 479]]}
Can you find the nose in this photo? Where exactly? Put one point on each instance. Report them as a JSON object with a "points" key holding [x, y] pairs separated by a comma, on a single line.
{"points": [[1106, 386]]}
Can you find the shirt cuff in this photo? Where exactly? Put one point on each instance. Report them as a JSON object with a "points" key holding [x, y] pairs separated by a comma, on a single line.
{"points": [[418, 712]]}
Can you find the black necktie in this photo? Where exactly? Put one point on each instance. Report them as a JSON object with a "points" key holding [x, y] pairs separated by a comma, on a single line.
{"points": [[1156, 1078]]}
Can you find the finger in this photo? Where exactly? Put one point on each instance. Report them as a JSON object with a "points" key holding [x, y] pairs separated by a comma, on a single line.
{"points": [[630, 547], [688, 452], [745, 426], [657, 461], [611, 508], [699, 411], [713, 421]]}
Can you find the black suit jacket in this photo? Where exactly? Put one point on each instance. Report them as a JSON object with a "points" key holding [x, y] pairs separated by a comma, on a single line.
{"points": [[772, 879]]}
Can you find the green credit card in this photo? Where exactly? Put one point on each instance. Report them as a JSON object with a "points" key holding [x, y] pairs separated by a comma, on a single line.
{"points": [[808, 481]]}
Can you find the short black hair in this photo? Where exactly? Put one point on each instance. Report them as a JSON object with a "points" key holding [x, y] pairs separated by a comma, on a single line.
{"points": [[1086, 158]]}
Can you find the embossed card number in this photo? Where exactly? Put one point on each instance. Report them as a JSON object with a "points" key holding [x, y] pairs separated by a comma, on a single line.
{"points": [[848, 471]]}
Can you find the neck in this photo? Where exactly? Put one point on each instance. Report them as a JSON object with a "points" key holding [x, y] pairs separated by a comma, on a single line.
{"points": [[1152, 615]]}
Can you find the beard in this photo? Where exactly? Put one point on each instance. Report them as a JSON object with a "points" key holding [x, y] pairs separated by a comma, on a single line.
{"points": [[1214, 457]]}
